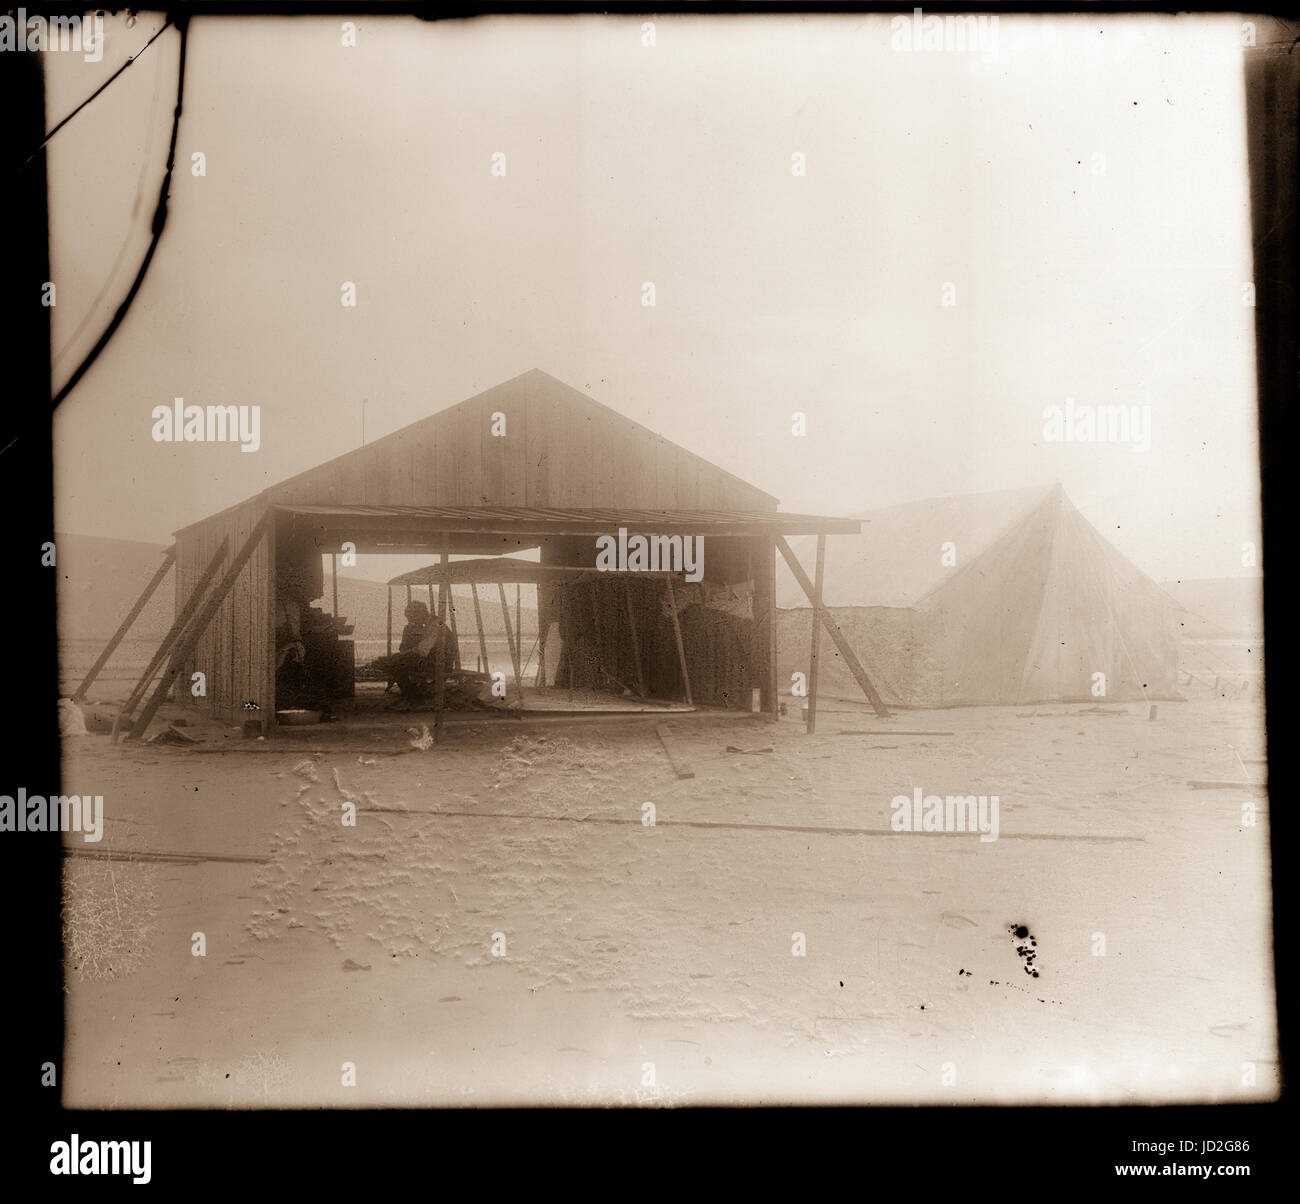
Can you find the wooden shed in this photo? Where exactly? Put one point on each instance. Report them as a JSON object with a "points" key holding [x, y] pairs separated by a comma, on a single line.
{"points": [[530, 463]]}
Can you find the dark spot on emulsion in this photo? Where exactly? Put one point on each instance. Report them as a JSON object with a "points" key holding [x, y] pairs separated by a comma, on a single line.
{"points": [[1026, 947]]}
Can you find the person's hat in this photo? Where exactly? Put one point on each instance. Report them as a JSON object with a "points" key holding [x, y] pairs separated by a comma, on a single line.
{"points": [[416, 610]]}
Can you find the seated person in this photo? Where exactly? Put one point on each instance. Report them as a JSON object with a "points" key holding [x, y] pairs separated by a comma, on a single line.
{"points": [[417, 620], [414, 665]]}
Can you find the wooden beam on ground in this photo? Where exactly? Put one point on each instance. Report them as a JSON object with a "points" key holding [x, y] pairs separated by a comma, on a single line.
{"points": [[832, 629], [169, 558], [200, 624], [816, 635], [173, 634], [677, 635], [680, 768], [892, 734]]}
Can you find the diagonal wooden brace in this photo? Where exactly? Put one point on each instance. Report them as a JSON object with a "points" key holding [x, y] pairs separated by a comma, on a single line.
{"points": [[131, 617], [189, 641], [832, 629]]}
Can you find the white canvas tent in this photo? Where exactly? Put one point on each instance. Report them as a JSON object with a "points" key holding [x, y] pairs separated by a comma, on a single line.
{"points": [[996, 598]]}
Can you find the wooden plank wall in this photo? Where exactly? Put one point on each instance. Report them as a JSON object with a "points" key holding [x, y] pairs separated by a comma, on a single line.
{"points": [[233, 652], [560, 449]]}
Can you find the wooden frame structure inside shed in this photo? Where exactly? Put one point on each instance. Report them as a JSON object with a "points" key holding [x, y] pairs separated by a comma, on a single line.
{"points": [[506, 570]]}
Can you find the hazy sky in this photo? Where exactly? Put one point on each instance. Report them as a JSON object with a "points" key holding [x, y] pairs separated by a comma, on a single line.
{"points": [[672, 164]]}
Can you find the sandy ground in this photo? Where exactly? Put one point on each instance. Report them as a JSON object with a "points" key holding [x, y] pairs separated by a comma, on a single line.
{"points": [[655, 965]]}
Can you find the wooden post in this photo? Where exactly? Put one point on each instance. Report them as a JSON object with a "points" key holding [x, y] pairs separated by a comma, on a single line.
{"points": [[636, 644], [832, 629], [514, 653], [173, 633], [334, 577], [519, 622], [440, 652], [543, 622], [561, 596], [598, 674], [763, 574], [196, 629], [816, 635], [390, 620], [169, 558], [478, 623], [677, 634], [268, 649], [455, 631], [408, 593]]}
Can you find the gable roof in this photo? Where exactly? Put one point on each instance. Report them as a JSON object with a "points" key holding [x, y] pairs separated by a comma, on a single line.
{"points": [[561, 448]]}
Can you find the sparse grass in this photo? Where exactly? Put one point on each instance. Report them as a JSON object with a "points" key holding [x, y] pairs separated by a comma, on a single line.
{"points": [[109, 911]]}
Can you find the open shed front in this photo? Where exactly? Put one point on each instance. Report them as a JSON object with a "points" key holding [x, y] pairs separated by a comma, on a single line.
{"points": [[601, 639], [605, 638]]}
